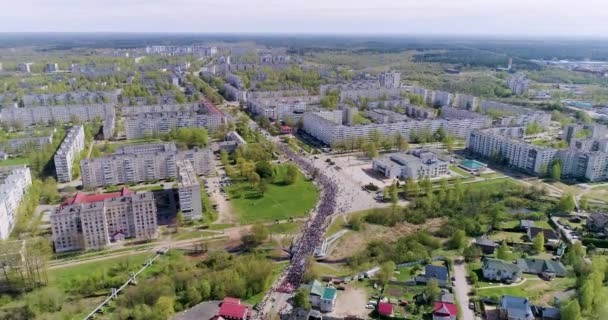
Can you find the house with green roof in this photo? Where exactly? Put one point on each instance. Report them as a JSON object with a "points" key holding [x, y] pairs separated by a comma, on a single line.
{"points": [[322, 297], [500, 270], [547, 269]]}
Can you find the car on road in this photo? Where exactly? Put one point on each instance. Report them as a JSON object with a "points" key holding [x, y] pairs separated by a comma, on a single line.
{"points": [[369, 306], [472, 305]]}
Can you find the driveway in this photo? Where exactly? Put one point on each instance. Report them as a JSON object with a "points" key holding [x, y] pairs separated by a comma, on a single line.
{"points": [[462, 290]]}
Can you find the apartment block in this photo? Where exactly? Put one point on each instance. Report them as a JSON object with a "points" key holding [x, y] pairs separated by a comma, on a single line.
{"points": [[55, 115], [189, 191], [518, 83], [390, 79], [328, 128], [18, 145], [441, 98], [283, 108], [581, 131], [143, 162], [88, 222], [142, 124], [109, 125], [14, 183], [466, 102], [69, 151]]}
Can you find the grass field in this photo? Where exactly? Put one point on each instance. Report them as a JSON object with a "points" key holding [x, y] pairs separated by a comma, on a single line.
{"points": [[14, 162], [458, 170], [191, 234], [278, 202], [285, 228], [538, 290], [61, 277]]}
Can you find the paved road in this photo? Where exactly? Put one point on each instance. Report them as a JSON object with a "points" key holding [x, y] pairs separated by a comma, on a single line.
{"points": [[462, 291]]}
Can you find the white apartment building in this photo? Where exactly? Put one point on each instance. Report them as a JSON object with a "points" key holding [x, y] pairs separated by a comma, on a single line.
{"points": [[327, 127], [282, 108], [69, 151], [440, 98], [466, 102], [415, 164], [88, 222], [390, 80], [55, 115], [143, 162], [14, 183], [518, 83], [189, 191], [109, 125], [18, 145]]}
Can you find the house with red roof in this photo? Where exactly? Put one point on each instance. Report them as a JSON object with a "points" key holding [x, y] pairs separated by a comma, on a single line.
{"points": [[385, 309], [445, 311], [232, 309], [286, 130]]}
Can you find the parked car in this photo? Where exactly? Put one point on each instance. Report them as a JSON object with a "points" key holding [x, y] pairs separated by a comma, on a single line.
{"points": [[472, 305]]}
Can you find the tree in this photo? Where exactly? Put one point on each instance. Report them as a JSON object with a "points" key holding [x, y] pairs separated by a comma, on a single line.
{"points": [[472, 253], [301, 299], [179, 220], [370, 150], [571, 310], [432, 290], [448, 142], [566, 203], [264, 169], [458, 240], [356, 222], [502, 252], [574, 255], [426, 185], [386, 272], [556, 171], [254, 179], [164, 307], [291, 174], [411, 188], [393, 194], [583, 203], [538, 243]]}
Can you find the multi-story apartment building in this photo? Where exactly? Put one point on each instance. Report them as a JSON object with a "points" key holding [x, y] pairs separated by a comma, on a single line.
{"points": [[69, 151], [18, 145], [466, 102], [390, 79], [283, 108], [54, 115], [518, 83], [582, 131], [328, 128], [414, 164], [541, 118], [440, 98], [25, 67], [519, 154], [95, 221], [109, 124], [51, 67], [417, 112], [145, 124], [143, 162], [189, 191], [14, 183]]}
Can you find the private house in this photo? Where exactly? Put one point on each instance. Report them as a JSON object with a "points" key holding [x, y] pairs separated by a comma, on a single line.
{"points": [[445, 311], [546, 269], [438, 273], [322, 298], [286, 130], [385, 309], [446, 297], [232, 309], [551, 237], [500, 270], [598, 222], [526, 224], [515, 308], [486, 245]]}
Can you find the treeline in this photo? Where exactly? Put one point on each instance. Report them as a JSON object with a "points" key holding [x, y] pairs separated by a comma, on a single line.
{"points": [[406, 249], [178, 284], [470, 57]]}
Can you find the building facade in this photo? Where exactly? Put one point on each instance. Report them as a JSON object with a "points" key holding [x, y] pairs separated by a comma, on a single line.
{"points": [[415, 164], [14, 183], [55, 115], [143, 162], [189, 191], [88, 222], [68, 151]]}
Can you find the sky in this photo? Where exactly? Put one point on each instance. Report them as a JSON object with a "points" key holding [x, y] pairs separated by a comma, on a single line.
{"points": [[434, 17]]}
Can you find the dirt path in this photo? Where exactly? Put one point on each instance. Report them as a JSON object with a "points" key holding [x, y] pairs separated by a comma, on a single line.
{"points": [[224, 208], [462, 291]]}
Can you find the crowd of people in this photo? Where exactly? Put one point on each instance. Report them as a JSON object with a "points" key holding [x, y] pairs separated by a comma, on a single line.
{"points": [[313, 231]]}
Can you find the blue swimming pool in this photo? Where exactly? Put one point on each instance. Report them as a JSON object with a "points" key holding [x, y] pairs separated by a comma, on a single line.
{"points": [[472, 164]]}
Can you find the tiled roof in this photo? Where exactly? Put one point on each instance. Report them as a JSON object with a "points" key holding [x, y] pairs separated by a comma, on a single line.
{"points": [[82, 197], [233, 309], [385, 308], [537, 266], [442, 308], [437, 272]]}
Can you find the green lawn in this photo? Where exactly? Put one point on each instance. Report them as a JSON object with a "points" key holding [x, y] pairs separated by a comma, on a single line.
{"points": [[504, 235], [542, 224], [285, 228], [278, 202], [534, 288], [61, 277], [14, 162], [191, 234], [458, 170]]}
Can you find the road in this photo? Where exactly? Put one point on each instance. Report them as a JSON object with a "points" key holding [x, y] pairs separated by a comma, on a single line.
{"points": [[462, 290]]}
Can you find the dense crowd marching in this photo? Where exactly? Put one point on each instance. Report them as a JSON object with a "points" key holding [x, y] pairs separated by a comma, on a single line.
{"points": [[313, 231]]}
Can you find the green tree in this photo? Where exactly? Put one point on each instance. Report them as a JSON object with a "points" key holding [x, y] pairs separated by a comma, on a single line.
{"points": [[301, 299], [566, 203], [164, 307], [556, 171], [571, 310], [502, 252], [179, 220], [458, 240], [264, 169], [291, 174], [472, 253], [432, 290], [393, 194], [386, 272], [411, 188], [538, 243]]}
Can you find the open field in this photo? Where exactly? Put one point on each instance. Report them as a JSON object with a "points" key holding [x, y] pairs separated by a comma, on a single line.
{"points": [[279, 202], [285, 228], [538, 290], [14, 162]]}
